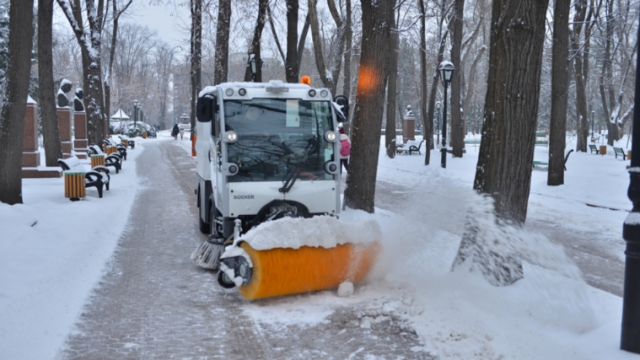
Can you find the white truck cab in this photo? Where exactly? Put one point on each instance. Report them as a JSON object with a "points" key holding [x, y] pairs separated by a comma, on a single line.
{"points": [[264, 151]]}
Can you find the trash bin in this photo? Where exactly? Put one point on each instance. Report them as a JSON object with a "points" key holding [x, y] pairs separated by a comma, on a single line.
{"points": [[74, 185], [97, 160], [603, 150]]}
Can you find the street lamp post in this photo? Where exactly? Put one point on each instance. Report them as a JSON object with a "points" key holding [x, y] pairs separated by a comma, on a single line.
{"points": [[437, 122], [135, 112], [593, 136], [446, 72], [252, 64], [630, 335]]}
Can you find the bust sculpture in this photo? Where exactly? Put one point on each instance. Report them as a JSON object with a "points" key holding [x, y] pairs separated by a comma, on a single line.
{"points": [[62, 99], [77, 101]]}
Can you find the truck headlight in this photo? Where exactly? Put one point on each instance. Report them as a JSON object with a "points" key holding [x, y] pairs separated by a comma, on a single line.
{"points": [[230, 137], [330, 136]]}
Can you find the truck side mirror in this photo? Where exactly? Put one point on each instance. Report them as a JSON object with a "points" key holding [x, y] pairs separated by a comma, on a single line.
{"points": [[205, 108], [343, 103]]}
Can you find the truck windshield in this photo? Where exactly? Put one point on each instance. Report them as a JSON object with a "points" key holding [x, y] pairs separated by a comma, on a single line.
{"points": [[277, 137]]}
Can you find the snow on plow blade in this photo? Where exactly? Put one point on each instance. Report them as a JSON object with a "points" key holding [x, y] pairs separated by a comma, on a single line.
{"points": [[283, 271], [296, 255]]}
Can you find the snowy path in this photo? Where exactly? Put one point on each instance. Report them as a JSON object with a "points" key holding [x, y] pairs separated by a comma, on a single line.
{"points": [[155, 303]]}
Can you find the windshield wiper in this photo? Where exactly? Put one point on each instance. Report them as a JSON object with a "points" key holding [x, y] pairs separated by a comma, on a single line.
{"points": [[292, 174]]}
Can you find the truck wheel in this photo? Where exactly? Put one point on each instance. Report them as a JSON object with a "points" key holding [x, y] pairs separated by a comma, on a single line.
{"points": [[224, 281]]}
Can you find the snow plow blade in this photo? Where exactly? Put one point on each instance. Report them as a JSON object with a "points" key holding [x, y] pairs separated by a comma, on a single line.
{"points": [[284, 271]]}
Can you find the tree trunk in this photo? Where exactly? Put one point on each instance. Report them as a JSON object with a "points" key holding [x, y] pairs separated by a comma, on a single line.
{"points": [[427, 120], [559, 92], [14, 101], [506, 152], [222, 42], [255, 42], [46, 94], [90, 44], [457, 117], [346, 88], [367, 119], [196, 58], [582, 119], [291, 65], [112, 53], [434, 85], [390, 130], [511, 105]]}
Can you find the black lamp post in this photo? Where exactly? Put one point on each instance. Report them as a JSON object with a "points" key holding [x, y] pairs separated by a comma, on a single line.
{"points": [[593, 136], [252, 64], [135, 112], [437, 122], [446, 72], [630, 335]]}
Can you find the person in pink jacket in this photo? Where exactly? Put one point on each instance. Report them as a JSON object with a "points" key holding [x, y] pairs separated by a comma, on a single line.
{"points": [[345, 150]]}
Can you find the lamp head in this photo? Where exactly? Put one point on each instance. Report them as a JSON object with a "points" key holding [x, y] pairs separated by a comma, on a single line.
{"points": [[446, 69], [252, 63]]}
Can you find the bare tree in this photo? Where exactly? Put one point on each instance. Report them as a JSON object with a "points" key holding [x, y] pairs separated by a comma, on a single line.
{"points": [[442, 38], [506, 152], [392, 80], [367, 119], [164, 58], [427, 126], [582, 121], [348, 33], [292, 66], [90, 41], [46, 95], [328, 75], [559, 93], [114, 36], [222, 41], [457, 117], [254, 47], [196, 57], [14, 100]]}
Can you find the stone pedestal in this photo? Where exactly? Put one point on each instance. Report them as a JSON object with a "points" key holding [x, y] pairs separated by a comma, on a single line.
{"points": [[30, 154], [408, 126], [80, 142], [64, 123]]}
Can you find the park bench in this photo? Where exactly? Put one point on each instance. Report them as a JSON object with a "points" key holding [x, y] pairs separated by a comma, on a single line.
{"points": [[593, 148], [619, 151], [541, 138], [126, 141], [546, 164], [122, 149], [96, 177], [114, 159], [410, 149]]}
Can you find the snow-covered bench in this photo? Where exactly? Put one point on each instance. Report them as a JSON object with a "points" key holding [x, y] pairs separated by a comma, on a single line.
{"points": [[122, 149], [114, 159], [126, 141], [96, 177], [410, 147]]}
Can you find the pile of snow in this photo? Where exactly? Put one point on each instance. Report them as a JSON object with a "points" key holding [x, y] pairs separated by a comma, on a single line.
{"points": [[319, 231]]}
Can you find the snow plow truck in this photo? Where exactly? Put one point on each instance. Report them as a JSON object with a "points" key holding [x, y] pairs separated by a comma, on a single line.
{"points": [[268, 190]]}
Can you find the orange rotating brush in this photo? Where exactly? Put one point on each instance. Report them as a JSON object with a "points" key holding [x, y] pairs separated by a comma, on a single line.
{"points": [[283, 271]]}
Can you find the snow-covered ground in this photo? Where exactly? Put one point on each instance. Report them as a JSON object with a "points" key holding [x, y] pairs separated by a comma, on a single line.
{"points": [[53, 252]]}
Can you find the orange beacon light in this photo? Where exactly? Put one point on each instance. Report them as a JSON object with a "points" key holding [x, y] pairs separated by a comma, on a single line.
{"points": [[305, 80]]}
